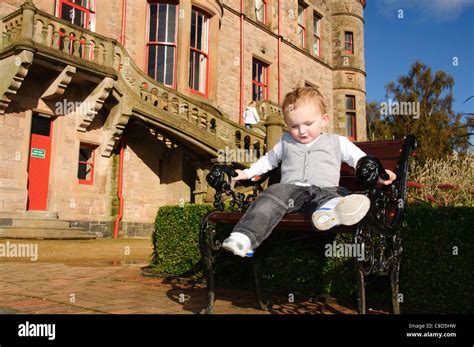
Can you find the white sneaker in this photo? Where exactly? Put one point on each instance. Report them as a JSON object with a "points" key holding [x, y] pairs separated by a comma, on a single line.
{"points": [[239, 244], [347, 210]]}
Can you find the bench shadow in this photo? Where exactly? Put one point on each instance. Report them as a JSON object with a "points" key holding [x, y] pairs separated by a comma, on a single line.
{"points": [[310, 305], [192, 297]]}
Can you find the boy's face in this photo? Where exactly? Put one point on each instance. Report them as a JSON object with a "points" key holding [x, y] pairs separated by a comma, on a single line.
{"points": [[305, 122]]}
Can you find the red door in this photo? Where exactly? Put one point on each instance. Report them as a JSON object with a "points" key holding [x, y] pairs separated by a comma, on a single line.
{"points": [[40, 159]]}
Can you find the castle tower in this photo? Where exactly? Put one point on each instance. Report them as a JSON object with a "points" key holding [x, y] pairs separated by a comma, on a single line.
{"points": [[349, 68]]}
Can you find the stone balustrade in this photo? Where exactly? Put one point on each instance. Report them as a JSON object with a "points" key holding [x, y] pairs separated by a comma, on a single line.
{"points": [[268, 108], [58, 34], [11, 29], [198, 114]]}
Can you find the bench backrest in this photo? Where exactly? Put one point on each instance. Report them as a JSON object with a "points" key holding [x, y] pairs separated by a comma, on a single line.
{"points": [[388, 152]]}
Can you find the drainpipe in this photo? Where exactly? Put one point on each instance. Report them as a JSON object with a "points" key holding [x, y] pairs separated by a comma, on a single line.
{"points": [[119, 190], [124, 16], [241, 106], [279, 52]]}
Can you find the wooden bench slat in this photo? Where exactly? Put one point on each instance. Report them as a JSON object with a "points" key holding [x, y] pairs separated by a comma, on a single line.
{"points": [[351, 184], [382, 152], [291, 221]]}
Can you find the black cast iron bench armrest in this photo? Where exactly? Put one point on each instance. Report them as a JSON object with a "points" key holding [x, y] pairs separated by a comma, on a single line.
{"points": [[220, 177]]}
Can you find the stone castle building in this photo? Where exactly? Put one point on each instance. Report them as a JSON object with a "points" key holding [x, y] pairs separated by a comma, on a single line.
{"points": [[112, 108]]}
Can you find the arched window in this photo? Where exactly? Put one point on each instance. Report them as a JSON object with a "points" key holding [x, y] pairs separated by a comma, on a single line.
{"points": [[351, 117], [199, 52], [316, 34], [349, 42], [259, 80], [161, 43], [261, 10], [302, 24]]}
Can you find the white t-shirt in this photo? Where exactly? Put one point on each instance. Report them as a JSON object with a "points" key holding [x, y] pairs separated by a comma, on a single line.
{"points": [[251, 115]]}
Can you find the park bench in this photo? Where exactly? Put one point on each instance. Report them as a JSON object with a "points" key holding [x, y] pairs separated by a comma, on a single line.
{"points": [[379, 232]]}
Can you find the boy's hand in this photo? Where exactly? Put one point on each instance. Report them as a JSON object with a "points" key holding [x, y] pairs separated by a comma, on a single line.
{"points": [[241, 175], [391, 178]]}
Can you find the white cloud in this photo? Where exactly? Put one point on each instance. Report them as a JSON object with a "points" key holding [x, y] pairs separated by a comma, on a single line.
{"points": [[433, 10]]}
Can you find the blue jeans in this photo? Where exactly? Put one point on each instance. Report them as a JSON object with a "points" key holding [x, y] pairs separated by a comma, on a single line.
{"points": [[271, 205]]}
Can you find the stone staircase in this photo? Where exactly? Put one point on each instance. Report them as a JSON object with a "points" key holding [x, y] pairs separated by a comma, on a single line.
{"points": [[41, 225], [203, 124]]}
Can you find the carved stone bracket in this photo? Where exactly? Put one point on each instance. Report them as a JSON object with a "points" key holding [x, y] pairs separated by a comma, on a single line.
{"points": [[15, 68], [93, 103], [120, 115], [58, 87]]}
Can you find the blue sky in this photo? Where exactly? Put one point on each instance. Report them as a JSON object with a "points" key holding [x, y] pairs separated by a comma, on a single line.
{"points": [[433, 31]]}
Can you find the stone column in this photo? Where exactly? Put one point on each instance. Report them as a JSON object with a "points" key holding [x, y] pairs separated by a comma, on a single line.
{"points": [[109, 53], [274, 125], [201, 188], [28, 23]]}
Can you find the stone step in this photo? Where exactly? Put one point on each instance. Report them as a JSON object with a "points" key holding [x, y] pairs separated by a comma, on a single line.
{"points": [[41, 215], [41, 223], [39, 233]]}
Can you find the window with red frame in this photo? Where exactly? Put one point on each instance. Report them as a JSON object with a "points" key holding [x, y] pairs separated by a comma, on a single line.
{"points": [[85, 170], [78, 12], [259, 80], [302, 25], [316, 34], [161, 46], [261, 11], [351, 117], [199, 52], [349, 42]]}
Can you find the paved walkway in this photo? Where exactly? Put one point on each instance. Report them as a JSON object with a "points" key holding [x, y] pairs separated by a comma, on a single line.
{"points": [[59, 288], [56, 285]]}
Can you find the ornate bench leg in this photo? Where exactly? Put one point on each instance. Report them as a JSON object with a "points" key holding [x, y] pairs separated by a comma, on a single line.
{"points": [[205, 240], [264, 305], [395, 271], [360, 291], [394, 283], [363, 236]]}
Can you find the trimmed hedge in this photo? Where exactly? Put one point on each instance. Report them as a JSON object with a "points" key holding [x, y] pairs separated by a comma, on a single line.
{"points": [[176, 238], [433, 279], [432, 275]]}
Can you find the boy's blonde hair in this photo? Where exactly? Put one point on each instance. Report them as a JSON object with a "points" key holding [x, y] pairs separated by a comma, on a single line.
{"points": [[300, 96]]}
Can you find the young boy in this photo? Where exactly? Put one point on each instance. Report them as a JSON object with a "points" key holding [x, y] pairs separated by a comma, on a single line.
{"points": [[310, 170]]}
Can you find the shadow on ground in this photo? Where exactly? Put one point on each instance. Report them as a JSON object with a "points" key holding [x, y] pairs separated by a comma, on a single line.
{"points": [[192, 296]]}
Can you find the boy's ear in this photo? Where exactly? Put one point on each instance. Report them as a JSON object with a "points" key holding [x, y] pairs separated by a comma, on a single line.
{"points": [[325, 118]]}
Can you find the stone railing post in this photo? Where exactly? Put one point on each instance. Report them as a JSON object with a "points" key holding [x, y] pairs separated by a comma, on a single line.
{"points": [[28, 24], [274, 125], [109, 53]]}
